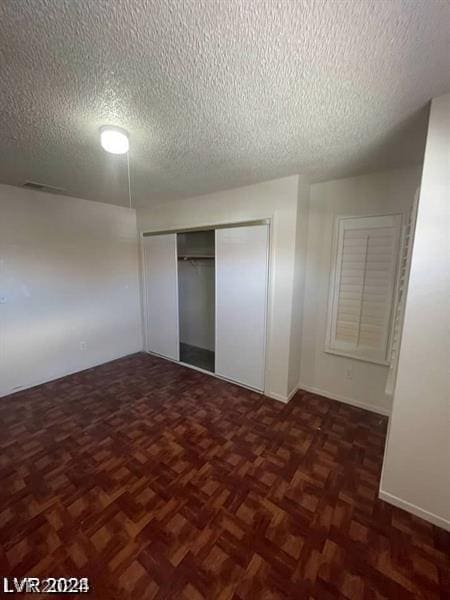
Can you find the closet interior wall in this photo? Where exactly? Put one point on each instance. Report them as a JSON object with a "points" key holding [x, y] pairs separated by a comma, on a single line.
{"points": [[196, 298]]}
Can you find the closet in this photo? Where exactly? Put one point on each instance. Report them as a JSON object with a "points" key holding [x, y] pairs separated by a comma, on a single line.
{"points": [[205, 299], [196, 303]]}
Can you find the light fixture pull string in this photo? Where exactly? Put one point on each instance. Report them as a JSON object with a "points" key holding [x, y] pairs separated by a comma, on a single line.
{"points": [[129, 180]]}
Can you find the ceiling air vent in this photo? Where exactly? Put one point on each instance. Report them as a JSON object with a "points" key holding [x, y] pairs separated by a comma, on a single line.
{"points": [[43, 187]]}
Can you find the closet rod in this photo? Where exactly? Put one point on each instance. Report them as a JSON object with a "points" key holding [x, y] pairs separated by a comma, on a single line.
{"points": [[208, 227]]}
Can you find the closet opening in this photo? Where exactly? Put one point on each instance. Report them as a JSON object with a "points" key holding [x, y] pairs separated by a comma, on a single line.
{"points": [[196, 298]]}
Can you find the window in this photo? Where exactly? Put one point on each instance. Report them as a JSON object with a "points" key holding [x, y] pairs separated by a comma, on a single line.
{"points": [[363, 285]]}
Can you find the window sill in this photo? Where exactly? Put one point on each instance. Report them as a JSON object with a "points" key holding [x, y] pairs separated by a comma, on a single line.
{"points": [[373, 361]]}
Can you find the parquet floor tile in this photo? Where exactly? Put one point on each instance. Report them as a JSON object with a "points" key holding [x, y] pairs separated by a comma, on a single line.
{"points": [[156, 481]]}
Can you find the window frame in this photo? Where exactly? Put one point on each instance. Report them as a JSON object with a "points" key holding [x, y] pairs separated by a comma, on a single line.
{"points": [[336, 252]]}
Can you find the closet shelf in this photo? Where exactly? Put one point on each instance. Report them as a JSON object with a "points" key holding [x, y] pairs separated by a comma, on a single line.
{"points": [[194, 256]]}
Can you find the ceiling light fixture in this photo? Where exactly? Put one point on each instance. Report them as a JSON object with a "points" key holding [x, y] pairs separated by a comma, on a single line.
{"points": [[114, 139]]}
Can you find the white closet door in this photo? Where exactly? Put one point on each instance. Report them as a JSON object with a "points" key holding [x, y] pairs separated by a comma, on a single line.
{"points": [[241, 303], [161, 293]]}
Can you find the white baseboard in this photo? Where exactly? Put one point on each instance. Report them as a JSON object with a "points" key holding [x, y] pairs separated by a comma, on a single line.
{"points": [[275, 396], [279, 397], [415, 510], [376, 409]]}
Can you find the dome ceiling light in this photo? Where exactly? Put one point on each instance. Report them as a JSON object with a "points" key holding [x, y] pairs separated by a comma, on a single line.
{"points": [[114, 139]]}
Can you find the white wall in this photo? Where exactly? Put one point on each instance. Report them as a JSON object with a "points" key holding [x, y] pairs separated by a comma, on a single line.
{"points": [[68, 274], [379, 193], [276, 199], [416, 470]]}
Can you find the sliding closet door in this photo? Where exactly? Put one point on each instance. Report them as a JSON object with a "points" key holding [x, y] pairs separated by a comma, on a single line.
{"points": [[241, 303], [161, 294]]}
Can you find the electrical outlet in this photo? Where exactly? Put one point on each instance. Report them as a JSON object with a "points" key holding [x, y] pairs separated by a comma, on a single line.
{"points": [[83, 345], [349, 372]]}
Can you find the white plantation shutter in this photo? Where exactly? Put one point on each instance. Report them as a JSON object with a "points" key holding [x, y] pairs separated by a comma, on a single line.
{"points": [[399, 315], [363, 286]]}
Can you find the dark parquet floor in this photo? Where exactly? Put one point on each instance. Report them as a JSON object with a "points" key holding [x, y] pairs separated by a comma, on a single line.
{"points": [[156, 481]]}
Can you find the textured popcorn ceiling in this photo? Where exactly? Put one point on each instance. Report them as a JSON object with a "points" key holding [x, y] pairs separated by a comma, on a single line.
{"points": [[215, 93]]}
